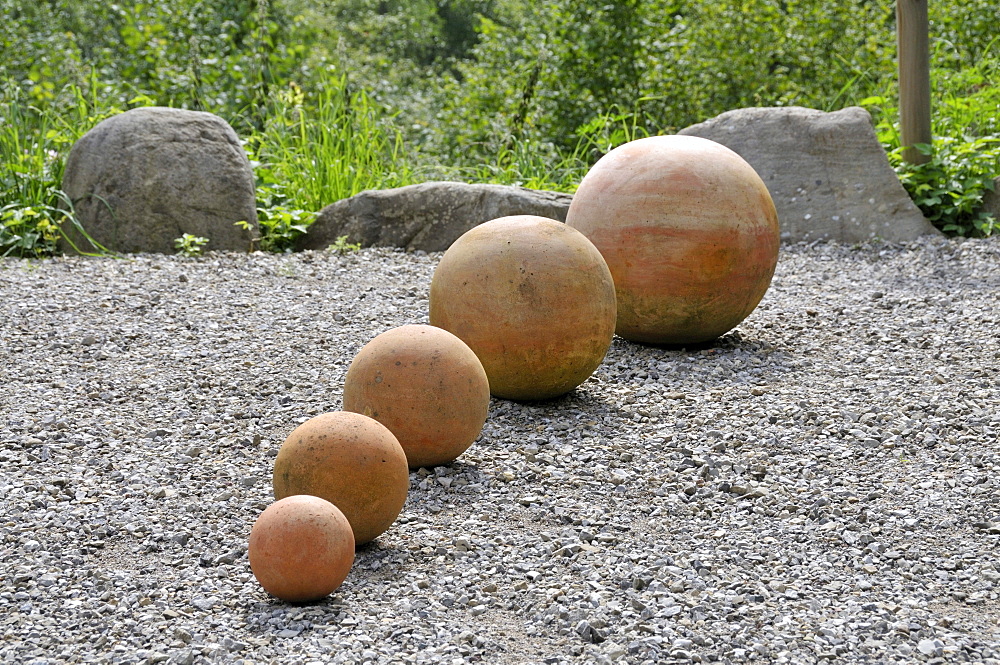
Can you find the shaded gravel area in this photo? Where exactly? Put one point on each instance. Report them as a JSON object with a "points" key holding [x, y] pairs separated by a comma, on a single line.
{"points": [[820, 485]]}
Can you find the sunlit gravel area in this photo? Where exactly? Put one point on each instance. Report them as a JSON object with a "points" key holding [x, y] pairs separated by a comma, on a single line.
{"points": [[820, 485]]}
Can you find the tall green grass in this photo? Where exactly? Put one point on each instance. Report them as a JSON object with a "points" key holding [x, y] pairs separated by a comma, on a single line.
{"points": [[317, 148], [34, 143], [31, 166], [328, 144]]}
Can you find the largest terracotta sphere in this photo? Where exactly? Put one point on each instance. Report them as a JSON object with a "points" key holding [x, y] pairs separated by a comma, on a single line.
{"points": [[352, 461], [689, 232], [424, 384], [533, 298]]}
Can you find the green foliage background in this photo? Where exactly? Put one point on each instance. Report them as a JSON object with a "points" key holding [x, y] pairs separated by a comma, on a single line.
{"points": [[334, 96]]}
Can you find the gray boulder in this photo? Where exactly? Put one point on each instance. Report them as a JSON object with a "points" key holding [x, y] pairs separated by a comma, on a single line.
{"points": [[429, 216], [827, 173], [991, 201], [142, 179]]}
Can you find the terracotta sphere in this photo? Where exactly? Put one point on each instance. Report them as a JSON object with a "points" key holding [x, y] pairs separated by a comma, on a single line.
{"points": [[301, 548], [426, 386], [352, 461], [689, 232], [533, 298]]}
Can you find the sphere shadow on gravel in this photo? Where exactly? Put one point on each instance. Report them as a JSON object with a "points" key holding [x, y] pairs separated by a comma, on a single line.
{"points": [[731, 340], [633, 364], [587, 402], [432, 492], [572, 403], [371, 556]]}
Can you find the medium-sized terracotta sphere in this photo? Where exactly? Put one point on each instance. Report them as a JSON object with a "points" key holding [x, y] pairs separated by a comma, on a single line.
{"points": [[301, 548], [533, 298], [352, 461], [689, 232], [426, 386]]}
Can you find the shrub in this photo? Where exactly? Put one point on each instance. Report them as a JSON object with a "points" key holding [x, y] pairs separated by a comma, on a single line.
{"points": [[964, 154]]}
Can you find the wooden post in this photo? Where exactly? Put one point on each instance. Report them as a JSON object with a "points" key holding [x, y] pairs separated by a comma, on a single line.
{"points": [[912, 41]]}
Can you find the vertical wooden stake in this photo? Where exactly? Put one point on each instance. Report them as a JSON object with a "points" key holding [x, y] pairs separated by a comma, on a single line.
{"points": [[912, 41]]}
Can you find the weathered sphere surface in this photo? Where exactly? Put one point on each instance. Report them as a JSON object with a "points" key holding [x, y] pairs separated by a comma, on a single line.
{"points": [[424, 384], [352, 461], [533, 298], [301, 548], [689, 232]]}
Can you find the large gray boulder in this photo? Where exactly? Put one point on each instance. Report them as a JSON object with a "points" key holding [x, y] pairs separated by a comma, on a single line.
{"points": [[142, 179], [827, 173], [429, 216]]}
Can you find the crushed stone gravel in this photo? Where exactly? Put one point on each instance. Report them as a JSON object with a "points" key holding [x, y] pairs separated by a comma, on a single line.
{"points": [[820, 485]]}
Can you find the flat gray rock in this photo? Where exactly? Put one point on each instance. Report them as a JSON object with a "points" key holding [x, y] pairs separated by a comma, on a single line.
{"points": [[429, 216], [142, 179], [827, 173]]}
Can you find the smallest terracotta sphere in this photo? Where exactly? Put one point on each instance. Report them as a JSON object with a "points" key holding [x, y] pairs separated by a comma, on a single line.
{"points": [[424, 384], [301, 548]]}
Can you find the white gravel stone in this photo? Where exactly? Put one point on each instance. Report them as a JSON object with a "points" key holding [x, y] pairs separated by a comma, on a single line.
{"points": [[820, 485]]}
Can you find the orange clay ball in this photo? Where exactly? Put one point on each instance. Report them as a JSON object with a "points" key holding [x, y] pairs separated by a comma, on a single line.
{"points": [[426, 386], [689, 232], [301, 548], [533, 298], [352, 461]]}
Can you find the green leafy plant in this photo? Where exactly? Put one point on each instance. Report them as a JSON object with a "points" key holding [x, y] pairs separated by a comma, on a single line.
{"points": [[280, 226], [34, 231], [27, 231], [949, 188], [279, 223], [341, 246], [190, 245], [540, 165], [964, 156]]}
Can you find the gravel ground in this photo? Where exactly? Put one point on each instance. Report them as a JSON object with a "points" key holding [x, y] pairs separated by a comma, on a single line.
{"points": [[820, 485]]}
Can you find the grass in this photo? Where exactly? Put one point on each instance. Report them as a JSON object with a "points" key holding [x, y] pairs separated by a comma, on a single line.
{"points": [[32, 167], [34, 144], [540, 165], [332, 146], [315, 151]]}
